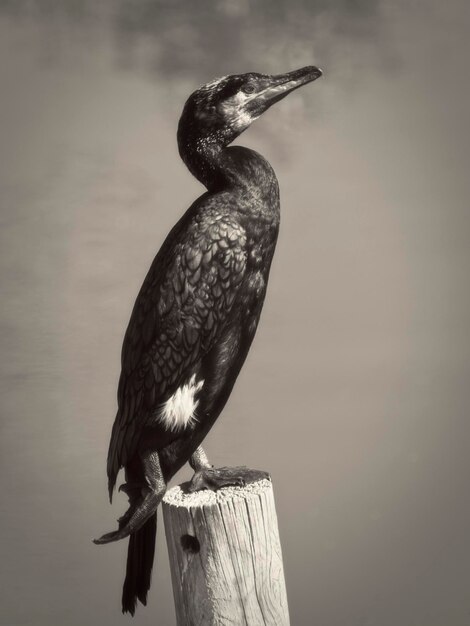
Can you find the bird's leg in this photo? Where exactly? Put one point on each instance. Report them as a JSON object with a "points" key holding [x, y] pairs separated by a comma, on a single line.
{"points": [[151, 496], [206, 476]]}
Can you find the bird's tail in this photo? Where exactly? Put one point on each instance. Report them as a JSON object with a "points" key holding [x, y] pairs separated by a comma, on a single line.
{"points": [[140, 554]]}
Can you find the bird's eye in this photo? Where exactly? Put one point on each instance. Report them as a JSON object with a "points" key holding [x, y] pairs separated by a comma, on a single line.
{"points": [[248, 88]]}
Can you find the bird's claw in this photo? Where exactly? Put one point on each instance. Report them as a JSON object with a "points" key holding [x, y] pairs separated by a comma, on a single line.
{"points": [[216, 478], [132, 490]]}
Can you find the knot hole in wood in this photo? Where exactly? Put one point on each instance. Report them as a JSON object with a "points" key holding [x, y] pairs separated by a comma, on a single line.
{"points": [[190, 544]]}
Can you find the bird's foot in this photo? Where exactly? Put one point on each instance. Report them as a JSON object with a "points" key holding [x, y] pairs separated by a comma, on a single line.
{"points": [[135, 517], [214, 478], [144, 499]]}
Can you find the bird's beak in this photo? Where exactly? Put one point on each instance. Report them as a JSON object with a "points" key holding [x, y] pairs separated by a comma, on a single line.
{"points": [[277, 87]]}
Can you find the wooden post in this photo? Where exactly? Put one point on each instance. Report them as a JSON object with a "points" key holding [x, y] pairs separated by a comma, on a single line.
{"points": [[225, 556]]}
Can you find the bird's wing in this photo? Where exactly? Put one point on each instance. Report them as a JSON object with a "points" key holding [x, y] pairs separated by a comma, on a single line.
{"points": [[178, 315]]}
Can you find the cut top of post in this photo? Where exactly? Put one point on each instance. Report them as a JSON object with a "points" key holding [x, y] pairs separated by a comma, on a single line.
{"points": [[177, 497]]}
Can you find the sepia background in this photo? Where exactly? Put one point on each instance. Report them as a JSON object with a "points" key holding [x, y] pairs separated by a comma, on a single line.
{"points": [[355, 395]]}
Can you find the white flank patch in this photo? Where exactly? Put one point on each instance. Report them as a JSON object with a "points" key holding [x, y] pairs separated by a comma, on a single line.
{"points": [[179, 410]]}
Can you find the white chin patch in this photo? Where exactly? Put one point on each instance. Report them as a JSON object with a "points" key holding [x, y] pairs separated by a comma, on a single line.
{"points": [[179, 410], [235, 113]]}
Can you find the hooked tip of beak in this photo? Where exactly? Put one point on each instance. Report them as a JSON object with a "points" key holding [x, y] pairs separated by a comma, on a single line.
{"points": [[311, 72]]}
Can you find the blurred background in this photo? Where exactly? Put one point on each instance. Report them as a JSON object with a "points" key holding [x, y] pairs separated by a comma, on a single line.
{"points": [[355, 395]]}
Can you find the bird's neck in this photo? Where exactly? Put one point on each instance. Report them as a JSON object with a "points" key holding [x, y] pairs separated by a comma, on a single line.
{"points": [[218, 167], [204, 159]]}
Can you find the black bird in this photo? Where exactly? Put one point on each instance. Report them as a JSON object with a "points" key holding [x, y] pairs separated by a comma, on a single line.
{"points": [[197, 312]]}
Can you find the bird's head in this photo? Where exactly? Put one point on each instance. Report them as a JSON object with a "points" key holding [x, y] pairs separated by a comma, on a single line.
{"points": [[222, 109]]}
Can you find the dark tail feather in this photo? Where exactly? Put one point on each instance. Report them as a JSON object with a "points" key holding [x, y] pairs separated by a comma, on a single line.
{"points": [[140, 555]]}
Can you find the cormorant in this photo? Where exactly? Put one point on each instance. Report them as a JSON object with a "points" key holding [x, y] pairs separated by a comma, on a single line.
{"points": [[197, 311]]}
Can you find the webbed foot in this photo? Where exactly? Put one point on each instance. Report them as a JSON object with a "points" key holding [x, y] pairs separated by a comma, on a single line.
{"points": [[135, 517], [109, 537], [143, 507], [214, 478]]}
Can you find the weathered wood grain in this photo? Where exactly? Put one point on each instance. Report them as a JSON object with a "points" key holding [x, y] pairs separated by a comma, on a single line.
{"points": [[225, 556]]}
